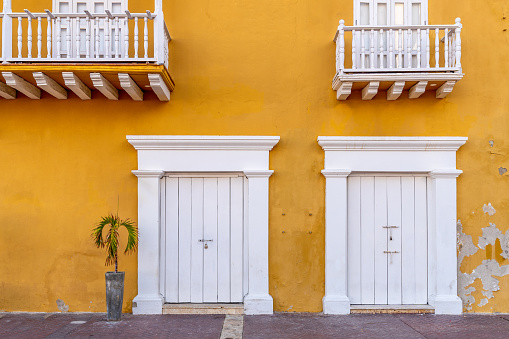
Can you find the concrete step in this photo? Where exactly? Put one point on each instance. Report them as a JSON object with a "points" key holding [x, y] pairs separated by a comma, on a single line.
{"points": [[392, 309], [203, 309]]}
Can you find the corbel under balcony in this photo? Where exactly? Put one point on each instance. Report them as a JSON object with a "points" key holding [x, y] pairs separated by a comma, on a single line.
{"points": [[59, 53], [396, 59]]}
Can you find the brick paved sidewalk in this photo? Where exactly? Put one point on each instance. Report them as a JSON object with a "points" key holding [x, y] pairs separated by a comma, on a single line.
{"points": [[294, 325]]}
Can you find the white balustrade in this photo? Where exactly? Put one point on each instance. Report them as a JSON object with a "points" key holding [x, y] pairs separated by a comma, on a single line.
{"points": [[400, 48], [85, 37]]}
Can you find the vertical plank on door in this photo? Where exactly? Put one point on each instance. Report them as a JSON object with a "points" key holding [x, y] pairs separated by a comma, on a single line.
{"points": [[368, 240], [408, 241], [223, 240], [354, 240], [394, 260], [421, 241], [184, 239], [210, 233], [196, 235], [380, 241], [172, 240], [236, 237]]}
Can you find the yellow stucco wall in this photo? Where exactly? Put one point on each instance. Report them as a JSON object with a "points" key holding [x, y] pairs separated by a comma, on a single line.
{"points": [[241, 68]]}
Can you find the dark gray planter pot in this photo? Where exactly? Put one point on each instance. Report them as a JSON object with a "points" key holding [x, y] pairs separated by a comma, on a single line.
{"points": [[114, 295]]}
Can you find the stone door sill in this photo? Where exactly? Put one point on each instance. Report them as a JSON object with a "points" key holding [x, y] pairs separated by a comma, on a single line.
{"points": [[203, 309], [392, 309]]}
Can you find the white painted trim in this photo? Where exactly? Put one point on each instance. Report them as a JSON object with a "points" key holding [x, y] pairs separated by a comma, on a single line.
{"points": [[50, 85], [75, 84], [435, 156], [159, 87], [130, 86], [20, 84], [202, 142], [104, 86], [160, 155]]}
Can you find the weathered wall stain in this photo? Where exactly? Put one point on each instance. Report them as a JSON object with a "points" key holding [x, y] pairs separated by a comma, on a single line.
{"points": [[495, 243], [502, 170]]}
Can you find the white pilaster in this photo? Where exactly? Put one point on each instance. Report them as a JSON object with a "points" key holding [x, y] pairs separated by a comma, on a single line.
{"points": [[258, 300], [444, 220], [149, 300], [336, 300]]}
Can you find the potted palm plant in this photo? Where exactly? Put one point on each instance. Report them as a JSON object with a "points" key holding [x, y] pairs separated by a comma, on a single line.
{"points": [[106, 234]]}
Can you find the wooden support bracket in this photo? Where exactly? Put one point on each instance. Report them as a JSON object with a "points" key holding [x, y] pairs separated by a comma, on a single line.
{"points": [[370, 90], [344, 90], [445, 89], [417, 90], [395, 90], [7, 92], [159, 87], [74, 83], [104, 86], [128, 84], [50, 85], [23, 86]]}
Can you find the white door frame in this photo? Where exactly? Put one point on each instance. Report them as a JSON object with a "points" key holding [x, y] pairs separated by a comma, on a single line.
{"points": [[158, 155], [435, 156]]}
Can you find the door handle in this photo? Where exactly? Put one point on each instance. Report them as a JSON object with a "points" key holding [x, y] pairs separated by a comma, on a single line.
{"points": [[205, 240]]}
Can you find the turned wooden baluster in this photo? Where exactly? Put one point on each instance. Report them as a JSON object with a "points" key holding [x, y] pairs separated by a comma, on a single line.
{"points": [[391, 48], [117, 38], [381, 35], [409, 49], [29, 37], [437, 49], [59, 37], [446, 48], [372, 49], [20, 37], [88, 28], [400, 48], [69, 25], [428, 47], [97, 38], [363, 50], [419, 38], [126, 38], [145, 38], [39, 37], [48, 38], [107, 33], [78, 37], [136, 44]]}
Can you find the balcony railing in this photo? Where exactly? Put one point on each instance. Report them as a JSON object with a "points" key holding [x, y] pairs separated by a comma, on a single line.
{"points": [[84, 37], [405, 57], [400, 48]]}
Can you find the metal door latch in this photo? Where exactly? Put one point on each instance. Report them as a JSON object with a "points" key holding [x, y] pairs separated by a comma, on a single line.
{"points": [[205, 241], [389, 252]]}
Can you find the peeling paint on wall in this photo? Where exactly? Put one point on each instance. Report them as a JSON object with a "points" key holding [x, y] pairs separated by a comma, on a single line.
{"points": [[491, 143], [489, 209], [502, 170], [496, 245], [62, 307]]}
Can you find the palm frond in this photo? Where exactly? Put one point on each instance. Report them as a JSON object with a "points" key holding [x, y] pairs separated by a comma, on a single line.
{"points": [[111, 239]]}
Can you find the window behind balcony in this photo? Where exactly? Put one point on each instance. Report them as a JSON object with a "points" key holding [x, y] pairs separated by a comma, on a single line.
{"points": [[94, 7], [389, 13]]}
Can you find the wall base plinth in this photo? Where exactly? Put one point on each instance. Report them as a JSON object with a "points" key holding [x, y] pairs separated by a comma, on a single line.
{"points": [[258, 304], [448, 304], [336, 305], [148, 304]]}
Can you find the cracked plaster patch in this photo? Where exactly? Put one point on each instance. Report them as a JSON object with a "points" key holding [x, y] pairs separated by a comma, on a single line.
{"points": [[488, 270], [62, 306]]}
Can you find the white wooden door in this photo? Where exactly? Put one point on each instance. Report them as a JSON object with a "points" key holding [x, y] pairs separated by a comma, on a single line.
{"points": [[387, 240], [204, 239]]}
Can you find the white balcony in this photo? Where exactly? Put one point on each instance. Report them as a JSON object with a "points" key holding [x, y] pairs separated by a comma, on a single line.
{"points": [[57, 52], [397, 58]]}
